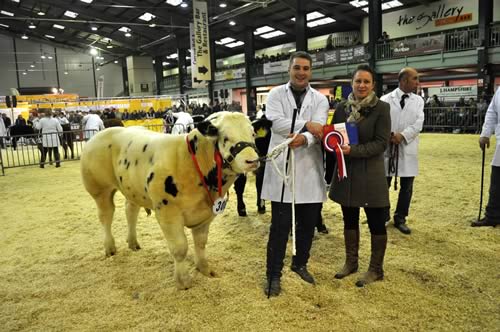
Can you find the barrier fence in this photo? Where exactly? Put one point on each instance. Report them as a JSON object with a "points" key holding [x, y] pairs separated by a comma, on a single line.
{"points": [[454, 119]]}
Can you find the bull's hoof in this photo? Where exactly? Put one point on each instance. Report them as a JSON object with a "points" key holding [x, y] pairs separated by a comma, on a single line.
{"points": [[110, 249], [183, 282], [207, 271], [134, 245], [110, 252]]}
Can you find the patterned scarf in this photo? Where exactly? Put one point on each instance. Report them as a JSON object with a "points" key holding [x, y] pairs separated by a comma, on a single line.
{"points": [[360, 108]]}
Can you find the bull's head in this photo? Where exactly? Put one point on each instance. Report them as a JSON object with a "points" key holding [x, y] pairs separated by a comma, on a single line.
{"points": [[235, 139]]}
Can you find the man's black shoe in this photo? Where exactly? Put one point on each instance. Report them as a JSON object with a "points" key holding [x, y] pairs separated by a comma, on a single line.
{"points": [[322, 229], [303, 273], [484, 222], [403, 228], [261, 209], [272, 289]]}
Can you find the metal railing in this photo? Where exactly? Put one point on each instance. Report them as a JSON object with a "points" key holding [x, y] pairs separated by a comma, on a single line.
{"points": [[454, 119], [495, 36], [451, 41]]}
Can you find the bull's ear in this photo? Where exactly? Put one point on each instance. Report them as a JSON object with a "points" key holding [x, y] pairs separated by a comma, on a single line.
{"points": [[206, 128]]}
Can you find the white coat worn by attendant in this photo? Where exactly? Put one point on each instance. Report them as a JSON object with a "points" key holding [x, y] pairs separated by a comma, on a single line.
{"points": [[309, 183], [491, 125], [92, 123], [183, 123], [408, 122], [51, 129]]}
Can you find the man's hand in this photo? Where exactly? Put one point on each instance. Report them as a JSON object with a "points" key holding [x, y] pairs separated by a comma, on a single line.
{"points": [[346, 149], [397, 138], [316, 129], [484, 142], [298, 141]]}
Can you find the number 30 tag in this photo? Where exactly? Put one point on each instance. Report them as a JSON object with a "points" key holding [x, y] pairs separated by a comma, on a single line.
{"points": [[219, 205]]}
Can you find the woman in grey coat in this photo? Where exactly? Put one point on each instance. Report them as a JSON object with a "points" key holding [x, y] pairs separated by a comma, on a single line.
{"points": [[365, 185]]}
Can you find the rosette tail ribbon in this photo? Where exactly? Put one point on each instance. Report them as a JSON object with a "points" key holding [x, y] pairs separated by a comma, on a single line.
{"points": [[332, 140]]}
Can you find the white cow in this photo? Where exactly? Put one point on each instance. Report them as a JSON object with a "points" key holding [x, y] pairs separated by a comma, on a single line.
{"points": [[156, 171]]}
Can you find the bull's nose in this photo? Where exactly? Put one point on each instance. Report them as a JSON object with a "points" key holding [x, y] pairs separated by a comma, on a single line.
{"points": [[252, 163]]}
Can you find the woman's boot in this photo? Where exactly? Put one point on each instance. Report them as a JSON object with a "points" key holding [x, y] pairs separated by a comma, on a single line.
{"points": [[351, 239], [376, 269]]}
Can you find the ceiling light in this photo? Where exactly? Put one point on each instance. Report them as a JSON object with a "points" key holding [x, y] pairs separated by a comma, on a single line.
{"points": [[124, 29], [32, 25], [16, 1], [232, 23], [24, 37], [235, 44], [98, 68], [4, 25], [65, 73], [43, 57], [314, 15], [109, 45], [87, 1], [146, 17], [58, 26], [50, 36], [358, 4], [263, 29], [71, 14], [366, 9], [32, 66], [225, 40], [165, 63], [93, 51], [50, 58], [222, 5], [25, 73], [128, 34], [323, 21], [152, 25], [4, 12], [174, 2], [172, 56], [94, 28], [116, 61], [40, 13], [184, 5], [272, 34]]}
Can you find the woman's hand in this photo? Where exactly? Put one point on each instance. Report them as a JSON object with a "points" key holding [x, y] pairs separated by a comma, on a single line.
{"points": [[346, 149]]}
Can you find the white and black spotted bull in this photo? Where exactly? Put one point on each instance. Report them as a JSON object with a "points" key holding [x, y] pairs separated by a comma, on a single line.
{"points": [[156, 171]]}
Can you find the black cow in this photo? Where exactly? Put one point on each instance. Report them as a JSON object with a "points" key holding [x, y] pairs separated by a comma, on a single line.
{"points": [[18, 131]]}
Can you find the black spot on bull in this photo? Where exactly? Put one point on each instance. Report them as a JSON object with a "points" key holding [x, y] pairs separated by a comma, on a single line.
{"points": [[121, 179], [211, 179], [144, 148], [150, 178], [193, 143], [165, 202], [170, 187]]}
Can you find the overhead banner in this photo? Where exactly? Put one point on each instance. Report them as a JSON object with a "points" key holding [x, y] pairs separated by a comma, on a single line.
{"points": [[344, 55], [453, 93], [418, 46], [276, 67], [201, 70]]}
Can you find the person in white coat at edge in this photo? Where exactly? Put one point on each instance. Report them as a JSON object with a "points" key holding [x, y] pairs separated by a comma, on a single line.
{"points": [[407, 119], [310, 188], [3, 132], [92, 123], [51, 129], [492, 126], [183, 124]]}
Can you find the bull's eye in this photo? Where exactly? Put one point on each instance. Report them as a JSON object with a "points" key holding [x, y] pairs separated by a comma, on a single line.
{"points": [[226, 139]]}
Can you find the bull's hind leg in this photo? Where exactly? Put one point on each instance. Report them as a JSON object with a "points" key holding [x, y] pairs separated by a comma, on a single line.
{"points": [[105, 211], [132, 211], [177, 244], [200, 237]]}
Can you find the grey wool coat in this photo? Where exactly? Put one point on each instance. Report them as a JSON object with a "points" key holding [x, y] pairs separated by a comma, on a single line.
{"points": [[366, 184]]}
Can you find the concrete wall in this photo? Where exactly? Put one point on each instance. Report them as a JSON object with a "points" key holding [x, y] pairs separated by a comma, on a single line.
{"points": [[74, 69]]}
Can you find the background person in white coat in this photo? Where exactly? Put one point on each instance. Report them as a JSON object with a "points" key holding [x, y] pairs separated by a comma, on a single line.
{"points": [[183, 123], [92, 123], [407, 119], [51, 129], [492, 126], [310, 189], [3, 132]]}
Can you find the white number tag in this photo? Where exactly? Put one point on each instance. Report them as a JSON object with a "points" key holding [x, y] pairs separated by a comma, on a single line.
{"points": [[219, 205]]}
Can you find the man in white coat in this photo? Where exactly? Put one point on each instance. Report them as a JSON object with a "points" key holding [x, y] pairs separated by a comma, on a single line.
{"points": [[310, 190], [92, 123], [3, 132], [401, 157], [183, 124], [492, 126], [51, 129]]}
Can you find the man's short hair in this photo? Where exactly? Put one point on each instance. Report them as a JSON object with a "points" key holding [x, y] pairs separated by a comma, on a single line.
{"points": [[403, 73], [300, 54]]}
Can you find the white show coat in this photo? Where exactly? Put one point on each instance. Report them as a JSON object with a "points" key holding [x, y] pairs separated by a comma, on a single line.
{"points": [[492, 125], [51, 129], [3, 130], [408, 122], [309, 179], [92, 124], [183, 124]]}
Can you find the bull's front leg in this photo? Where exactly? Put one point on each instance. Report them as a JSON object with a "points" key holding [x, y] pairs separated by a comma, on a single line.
{"points": [[173, 230], [200, 237]]}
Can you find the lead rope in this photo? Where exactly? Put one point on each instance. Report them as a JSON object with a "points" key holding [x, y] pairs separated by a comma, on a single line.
{"points": [[275, 152], [393, 162]]}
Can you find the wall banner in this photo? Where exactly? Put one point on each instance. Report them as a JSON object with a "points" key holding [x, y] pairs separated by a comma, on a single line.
{"points": [[418, 46], [202, 70]]}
